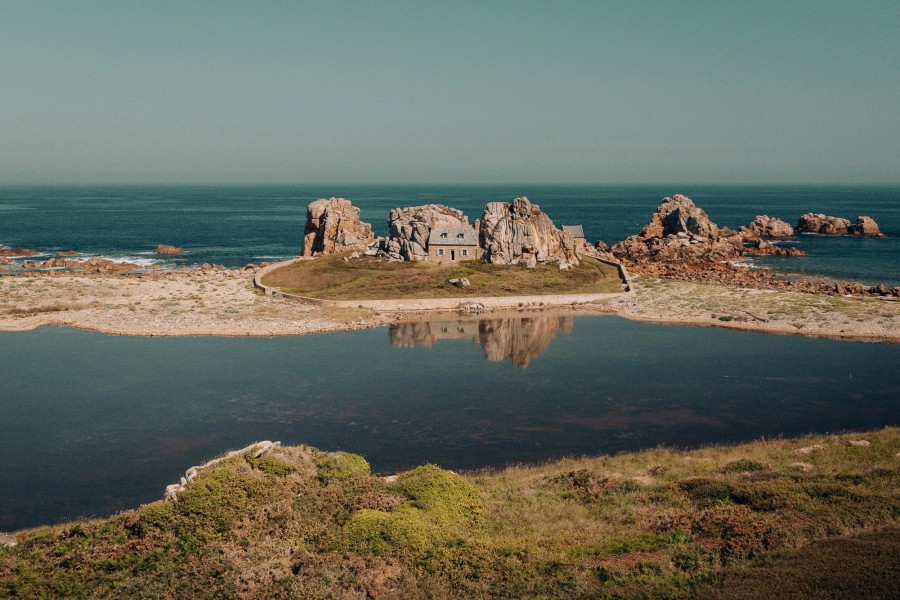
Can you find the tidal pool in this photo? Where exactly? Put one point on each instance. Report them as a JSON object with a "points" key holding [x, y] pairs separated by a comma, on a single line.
{"points": [[92, 424]]}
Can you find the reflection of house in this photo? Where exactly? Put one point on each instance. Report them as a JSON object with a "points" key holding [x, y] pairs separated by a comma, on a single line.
{"points": [[517, 339], [577, 231], [452, 243]]}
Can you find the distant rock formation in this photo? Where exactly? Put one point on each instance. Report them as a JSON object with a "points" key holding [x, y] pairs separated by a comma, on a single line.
{"points": [[828, 225], [93, 265], [764, 226], [169, 250], [18, 251], [866, 226], [411, 227], [681, 232], [333, 226], [519, 233]]}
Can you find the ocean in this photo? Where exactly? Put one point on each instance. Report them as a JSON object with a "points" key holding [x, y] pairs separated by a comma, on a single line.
{"points": [[236, 225]]}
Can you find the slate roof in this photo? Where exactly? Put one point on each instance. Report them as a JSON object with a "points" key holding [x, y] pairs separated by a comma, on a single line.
{"points": [[458, 235], [577, 231]]}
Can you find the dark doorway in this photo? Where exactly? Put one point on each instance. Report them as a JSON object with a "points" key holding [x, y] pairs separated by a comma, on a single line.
{"points": [[453, 255]]}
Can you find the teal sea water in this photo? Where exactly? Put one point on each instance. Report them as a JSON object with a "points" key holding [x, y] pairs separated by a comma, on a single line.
{"points": [[237, 225], [93, 424]]}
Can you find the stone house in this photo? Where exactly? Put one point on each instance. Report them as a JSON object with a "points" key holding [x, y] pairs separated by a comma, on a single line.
{"points": [[577, 231], [453, 243]]}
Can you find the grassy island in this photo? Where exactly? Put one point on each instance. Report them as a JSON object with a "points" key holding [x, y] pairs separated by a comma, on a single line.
{"points": [[802, 518], [368, 278]]}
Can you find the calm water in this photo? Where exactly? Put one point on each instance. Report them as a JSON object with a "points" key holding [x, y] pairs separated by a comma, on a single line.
{"points": [[237, 225], [93, 424]]}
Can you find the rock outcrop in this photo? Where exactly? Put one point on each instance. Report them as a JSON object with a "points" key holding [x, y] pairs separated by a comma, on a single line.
{"points": [[410, 228], [93, 265], [764, 226], [333, 226], [866, 226], [168, 250], [18, 251], [681, 233], [828, 225], [519, 233]]}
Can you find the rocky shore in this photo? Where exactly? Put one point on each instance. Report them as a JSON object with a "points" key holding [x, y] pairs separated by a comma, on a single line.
{"points": [[218, 301]]}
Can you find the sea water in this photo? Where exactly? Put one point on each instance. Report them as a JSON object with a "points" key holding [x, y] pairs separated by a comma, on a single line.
{"points": [[234, 226], [92, 424]]}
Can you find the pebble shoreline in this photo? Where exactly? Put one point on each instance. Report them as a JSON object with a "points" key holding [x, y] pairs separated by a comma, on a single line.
{"points": [[223, 302]]}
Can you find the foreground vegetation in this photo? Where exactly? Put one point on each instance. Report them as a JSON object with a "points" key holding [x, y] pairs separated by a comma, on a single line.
{"points": [[369, 278], [806, 518]]}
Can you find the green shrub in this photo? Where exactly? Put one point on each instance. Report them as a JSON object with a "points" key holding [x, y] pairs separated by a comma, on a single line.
{"points": [[270, 465], [156, 516], [342, 465], [383, 532], [447, 498]]}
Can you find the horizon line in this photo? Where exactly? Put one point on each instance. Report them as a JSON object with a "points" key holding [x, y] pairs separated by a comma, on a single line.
{"points": [[446, 184]]}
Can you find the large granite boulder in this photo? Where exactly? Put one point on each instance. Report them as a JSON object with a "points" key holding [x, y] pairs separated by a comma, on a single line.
{"points": [[333, 226], [828, 225], [410, 228], [764, 226], [17, 251], [678, 215], [518, 232], [824, 224], [866, 226], [679, 231], [168, 250]]}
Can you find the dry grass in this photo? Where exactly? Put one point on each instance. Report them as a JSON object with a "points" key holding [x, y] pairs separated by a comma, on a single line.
{"points": [[659, 523], [368, 278]]}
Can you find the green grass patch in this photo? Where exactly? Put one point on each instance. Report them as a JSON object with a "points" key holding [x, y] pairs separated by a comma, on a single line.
{"points": [[370, 278]]}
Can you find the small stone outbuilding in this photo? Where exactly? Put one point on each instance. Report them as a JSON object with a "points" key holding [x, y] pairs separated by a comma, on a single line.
{"points": [[577, 231], [453, 243]]}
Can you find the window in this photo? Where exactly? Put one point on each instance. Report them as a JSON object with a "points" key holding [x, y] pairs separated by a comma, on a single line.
{"points": [[440, 252], [465, 252], [444, 235], [460, 235]]}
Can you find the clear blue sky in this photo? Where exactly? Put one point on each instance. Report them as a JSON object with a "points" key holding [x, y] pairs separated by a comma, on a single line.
{"points": [[454, 92]]}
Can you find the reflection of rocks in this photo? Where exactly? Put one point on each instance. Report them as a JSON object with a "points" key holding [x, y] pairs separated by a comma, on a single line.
{"points": [[518, 339]]}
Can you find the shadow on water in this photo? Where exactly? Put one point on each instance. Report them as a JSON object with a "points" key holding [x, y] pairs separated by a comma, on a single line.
{"points": [[93, 423]]}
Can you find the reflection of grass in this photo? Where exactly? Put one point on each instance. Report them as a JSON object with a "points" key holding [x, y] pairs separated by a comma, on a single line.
{"points": [[368, 278], [716, 522]]}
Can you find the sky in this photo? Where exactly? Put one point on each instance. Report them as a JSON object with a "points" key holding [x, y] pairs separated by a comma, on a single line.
{"points": [[449, 92]]}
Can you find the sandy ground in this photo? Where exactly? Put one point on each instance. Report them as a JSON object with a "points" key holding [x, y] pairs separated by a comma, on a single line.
{"points": [[864, 318], [225, 303], [180, 303]]}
